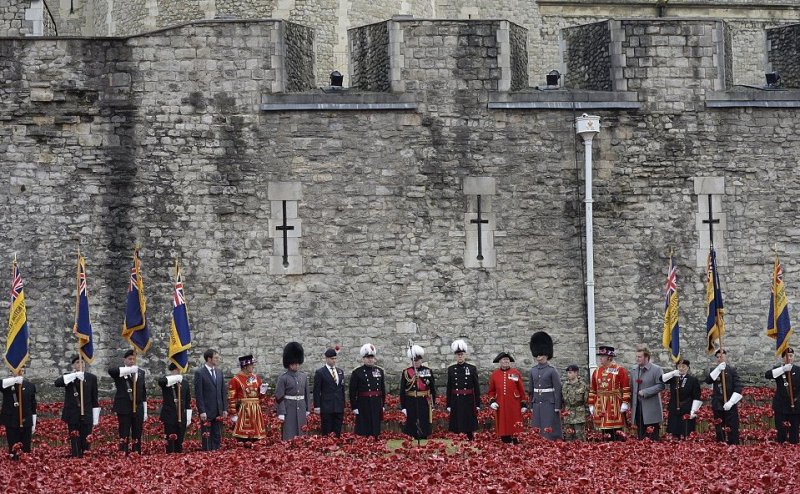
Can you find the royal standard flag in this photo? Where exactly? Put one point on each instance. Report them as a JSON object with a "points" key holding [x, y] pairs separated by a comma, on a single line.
{"points": [[18, 336], [135, 328], [83, 325], [180, 337], [715, 324], [779, 327], [670, 339]]}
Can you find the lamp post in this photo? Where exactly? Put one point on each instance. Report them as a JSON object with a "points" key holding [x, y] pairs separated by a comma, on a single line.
{"points": [[587, 126]]}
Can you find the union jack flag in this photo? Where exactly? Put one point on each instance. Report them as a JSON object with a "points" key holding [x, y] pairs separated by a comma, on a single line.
{"points": [[18, 337], [670, 338], [180, 338], [83, 326], [135, 329]]}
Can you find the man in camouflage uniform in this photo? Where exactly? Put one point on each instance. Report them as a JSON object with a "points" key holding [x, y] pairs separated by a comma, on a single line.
{"points": [[574, 393]]}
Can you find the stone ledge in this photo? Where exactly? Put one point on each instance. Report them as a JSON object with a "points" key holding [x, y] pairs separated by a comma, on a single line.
{"points": [[753, 97], [337, 100], [564, 99]]}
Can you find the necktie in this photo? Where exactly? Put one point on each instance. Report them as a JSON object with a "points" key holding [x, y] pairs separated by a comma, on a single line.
{"points": [[334, 375], [213, 375]]}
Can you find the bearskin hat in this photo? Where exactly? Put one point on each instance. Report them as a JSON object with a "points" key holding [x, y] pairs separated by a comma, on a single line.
{"points": [[293, 354], [541, 344]]}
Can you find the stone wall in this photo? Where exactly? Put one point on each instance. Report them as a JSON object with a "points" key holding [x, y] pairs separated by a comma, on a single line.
{"points": [[588, 49], [519, 57], [299, 57], [370, 66], [783, 52], [12, 18], [159, 138]]}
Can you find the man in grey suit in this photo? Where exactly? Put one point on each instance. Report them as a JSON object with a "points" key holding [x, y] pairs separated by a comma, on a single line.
{"points": [[329, 394], [646, 387], [211, 397]]}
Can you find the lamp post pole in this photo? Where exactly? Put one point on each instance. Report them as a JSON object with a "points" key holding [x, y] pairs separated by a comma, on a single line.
{"points": [[587, 126]]}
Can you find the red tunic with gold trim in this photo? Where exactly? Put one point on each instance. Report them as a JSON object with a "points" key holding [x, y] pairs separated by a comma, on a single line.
{"points": [[506, 388], [244, 401], [610, 387]]}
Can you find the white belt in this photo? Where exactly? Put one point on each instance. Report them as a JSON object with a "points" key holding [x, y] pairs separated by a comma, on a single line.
{"points": [[295, 398], [543, 390]]}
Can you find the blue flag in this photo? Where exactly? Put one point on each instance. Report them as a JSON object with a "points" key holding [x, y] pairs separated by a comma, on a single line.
{"points": [[135, 328], [670, 338], [18, 337], [779, 327], [715, 324], [180, 337], [83, 325]]}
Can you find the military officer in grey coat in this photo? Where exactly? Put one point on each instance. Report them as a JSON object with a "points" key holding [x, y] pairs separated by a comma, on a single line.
{"points": [[545, 388], [646, 388], [291, 392]]}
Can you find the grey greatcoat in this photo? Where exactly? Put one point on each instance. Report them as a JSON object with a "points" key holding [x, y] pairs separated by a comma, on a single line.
{"points": [[652, 385], [291, 394], [546, 401]]}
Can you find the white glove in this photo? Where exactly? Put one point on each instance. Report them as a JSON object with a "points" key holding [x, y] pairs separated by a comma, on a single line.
{"points": [[33, 423], [735, 397], [281, 417], [696, 404], [477, 409], [524, 409], [787, 367], [317, 410], [96, 416], [203, 417], [80, 375], [624, 408], [128, 371], [174, 379], [777, 372], [308, 413], [404, 412], [68, 378], [10, 381], [722, 366], [669, 375], [263, 388], [591, 410], [144, 408], [494, 405], [234, 418], [717, 371], [448, 409], [188, 415], [355, 411]]}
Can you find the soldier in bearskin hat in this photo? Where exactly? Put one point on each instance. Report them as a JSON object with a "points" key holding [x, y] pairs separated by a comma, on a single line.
{"points": [[545, 388], [291, 392], [463, 392], [368, 393]]}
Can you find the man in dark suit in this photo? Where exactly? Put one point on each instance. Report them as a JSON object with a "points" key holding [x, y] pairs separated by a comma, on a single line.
{"points": [[211, 397], [13, 388], [130, 401], [80, 388], [329, 394], [176, 409]]}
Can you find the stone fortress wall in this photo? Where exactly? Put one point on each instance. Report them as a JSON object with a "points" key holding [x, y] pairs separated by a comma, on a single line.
{"points": [[190, 138]]}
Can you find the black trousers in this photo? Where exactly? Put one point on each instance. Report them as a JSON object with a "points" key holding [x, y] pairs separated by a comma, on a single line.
{"points": [[130, 427], [16, 435], [641, 427], [78, 432], [179, 431], [787, 426], [211, 434], [728, 428], [332, 423]]}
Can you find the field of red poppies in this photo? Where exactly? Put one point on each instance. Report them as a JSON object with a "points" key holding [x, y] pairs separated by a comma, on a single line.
{"points": [[395, 464]]}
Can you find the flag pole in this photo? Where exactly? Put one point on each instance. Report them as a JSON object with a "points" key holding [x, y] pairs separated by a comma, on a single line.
{"points": [[19, 389], [77, 305], [135, 351], [177, 270]]}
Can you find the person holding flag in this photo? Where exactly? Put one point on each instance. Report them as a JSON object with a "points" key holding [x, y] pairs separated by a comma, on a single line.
{"points": [[785, 402], [684, 400], [81, 409], [18, 412], [130, 403]]}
